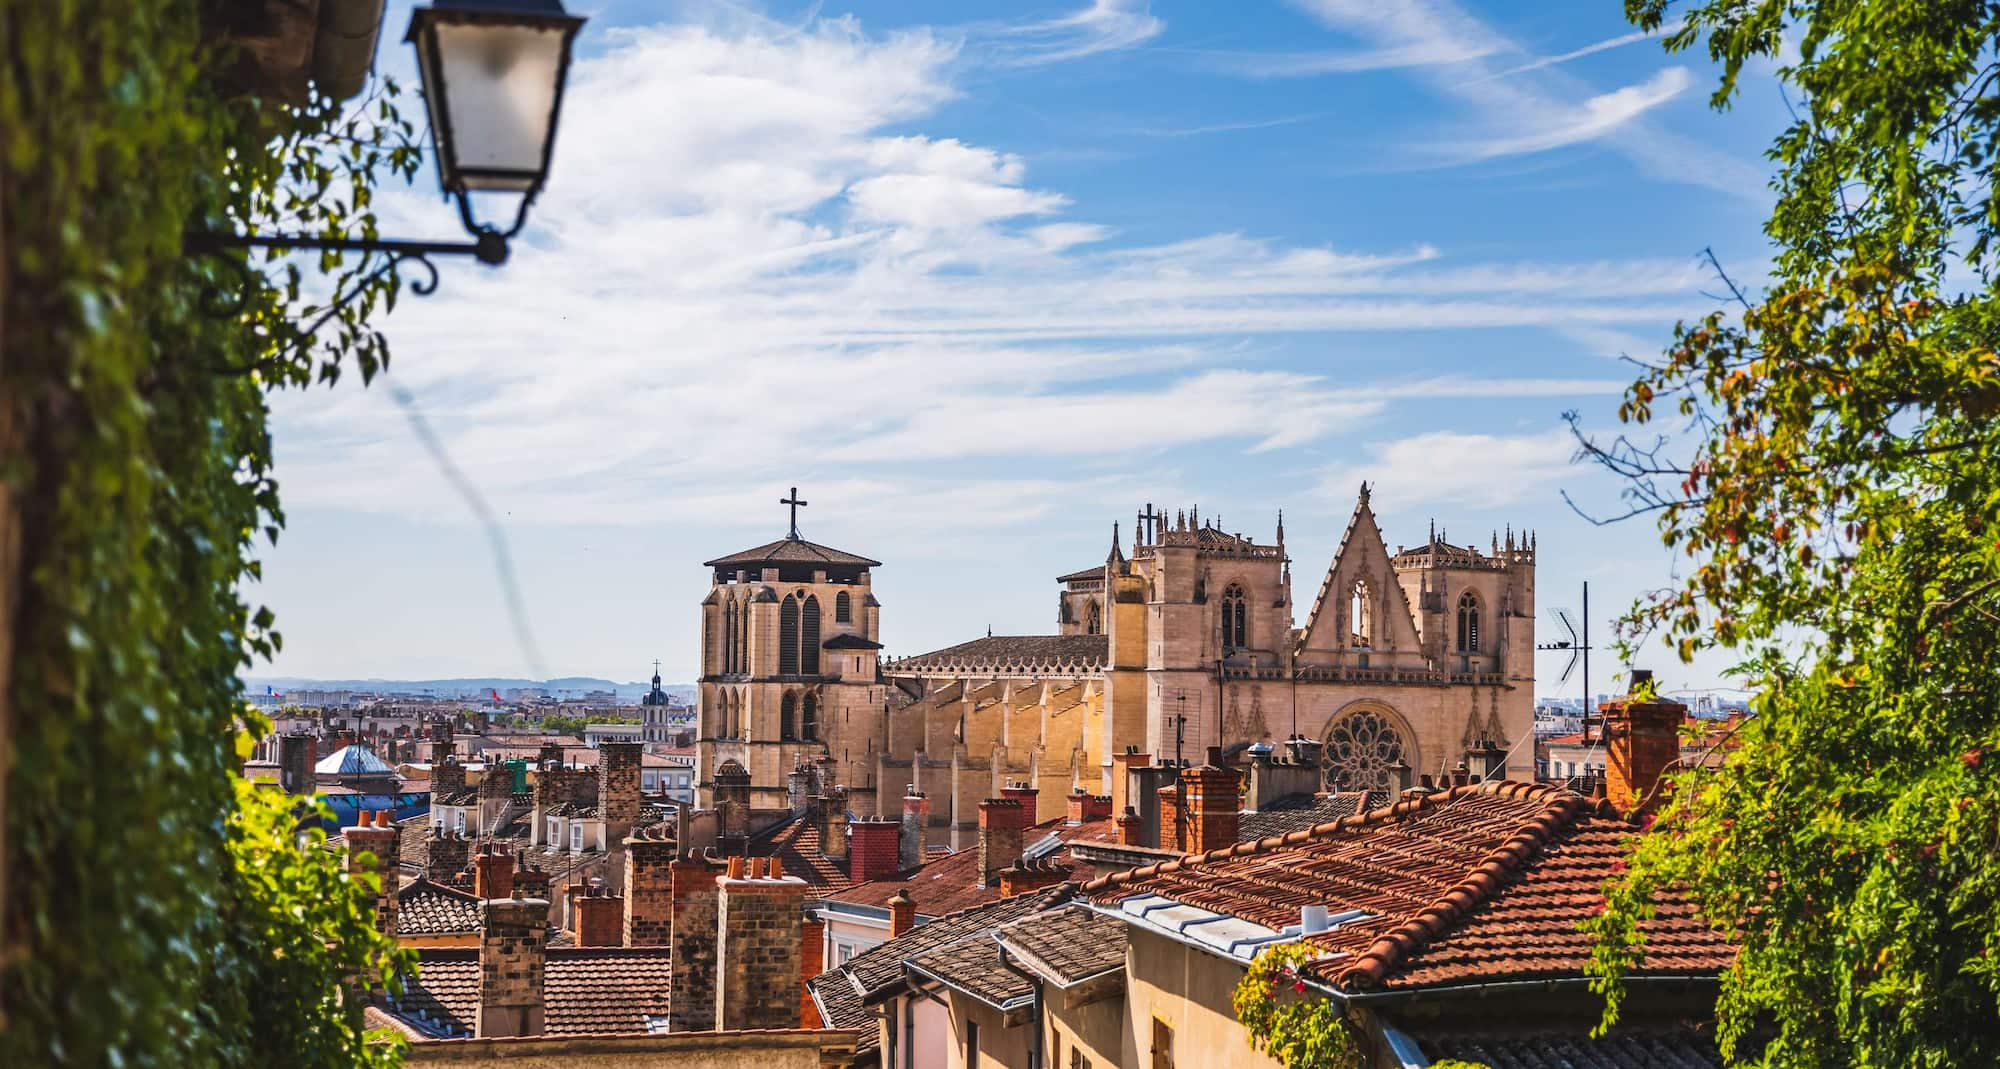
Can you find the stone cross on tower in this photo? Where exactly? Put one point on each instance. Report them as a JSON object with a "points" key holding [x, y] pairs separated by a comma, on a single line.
{"points": [[794, 502]]}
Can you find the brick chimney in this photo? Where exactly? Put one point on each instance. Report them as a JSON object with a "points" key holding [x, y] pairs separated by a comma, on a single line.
{"points": [[618, 801], [442, 743], [445, 853], [1024, 876], [801, 787], [1486, 761], [493, 872], [1026, 795], [600, 917], [831, 815], [1083, 807], [376, 837], [1211, 796], [447, 778], [649, 886], [551, 753], [1131, 828], [1000, 824], [512, 954], [1171, 828], [916, 827], [902, 912], [529, 881], [874, 851], [295, 763], [1641, 742], [696, 898], [759, 924]]}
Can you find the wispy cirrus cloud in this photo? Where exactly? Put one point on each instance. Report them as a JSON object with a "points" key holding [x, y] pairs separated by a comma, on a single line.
{"points": [[1455, 470], [1104, 26], [1594, 118]]}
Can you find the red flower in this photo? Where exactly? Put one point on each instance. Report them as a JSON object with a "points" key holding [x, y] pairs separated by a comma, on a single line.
{"points": [[1300, 987], [1971, 757]]}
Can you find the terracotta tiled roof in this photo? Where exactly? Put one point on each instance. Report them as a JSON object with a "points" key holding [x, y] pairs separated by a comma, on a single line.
{"points": [[1001, 651], [1067, 945], [842, 994], [1479, 883], [796, 846], [1296, 811], [584, 991], [950, 882], [426, 908], [1678, 1049], [791, 551]]}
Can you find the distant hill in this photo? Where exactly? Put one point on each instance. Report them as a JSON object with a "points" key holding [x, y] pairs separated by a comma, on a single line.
{"points": [[473, 687]]}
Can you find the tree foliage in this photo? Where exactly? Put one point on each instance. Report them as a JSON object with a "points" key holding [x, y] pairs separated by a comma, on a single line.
{"points": [[1295, 1025], [158, 912], [1826, 456]]}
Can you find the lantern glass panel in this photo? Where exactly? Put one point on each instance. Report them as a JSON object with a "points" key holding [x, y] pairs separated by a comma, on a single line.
{"points": [[497, 88]]}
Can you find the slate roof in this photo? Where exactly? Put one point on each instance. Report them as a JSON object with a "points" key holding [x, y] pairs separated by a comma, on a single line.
{"points": [[842, 993], [426, 908], [1481, 883], [584, 990], [791, 551], [850, 641], [1296, 811], [1095, 571], [1000, 651], [353, 761], [1067, 945], [1676, 1049]]}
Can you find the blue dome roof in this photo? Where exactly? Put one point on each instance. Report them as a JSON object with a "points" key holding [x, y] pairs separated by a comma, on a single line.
{"points": [[353, 761]]}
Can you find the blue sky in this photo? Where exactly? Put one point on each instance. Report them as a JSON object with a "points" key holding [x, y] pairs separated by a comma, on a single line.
{"points": [[982, 287]]}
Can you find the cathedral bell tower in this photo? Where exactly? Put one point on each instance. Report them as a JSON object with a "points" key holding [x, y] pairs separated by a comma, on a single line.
{"points": [[790, 644]]}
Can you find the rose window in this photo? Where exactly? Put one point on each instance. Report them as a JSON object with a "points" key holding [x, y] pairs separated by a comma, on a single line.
{"points": [[1361, 753]]}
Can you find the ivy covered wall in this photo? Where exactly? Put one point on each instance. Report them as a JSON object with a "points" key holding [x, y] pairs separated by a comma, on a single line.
{"points": [[156, 910]]}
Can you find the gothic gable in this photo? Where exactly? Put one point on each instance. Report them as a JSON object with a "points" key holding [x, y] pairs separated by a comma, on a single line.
{"points": [[1362, 558]]}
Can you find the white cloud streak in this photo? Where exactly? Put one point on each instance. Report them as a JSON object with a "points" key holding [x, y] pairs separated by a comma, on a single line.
{"points": [[1104, 26], [1461, 471]]}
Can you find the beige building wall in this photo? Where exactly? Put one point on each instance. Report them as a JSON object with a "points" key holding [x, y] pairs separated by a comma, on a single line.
{"points": [[1188, 991], [685, 1050]]}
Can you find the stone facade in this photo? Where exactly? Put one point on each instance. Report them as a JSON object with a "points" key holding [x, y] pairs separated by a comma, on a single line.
{"points": [[758, 964]]}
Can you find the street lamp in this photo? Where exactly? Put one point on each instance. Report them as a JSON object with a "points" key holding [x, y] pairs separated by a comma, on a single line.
{"points": [[493, 74]]}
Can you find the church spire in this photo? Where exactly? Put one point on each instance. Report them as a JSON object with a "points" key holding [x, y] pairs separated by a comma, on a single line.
{"points": [[1281, 528], [1117, 554]]}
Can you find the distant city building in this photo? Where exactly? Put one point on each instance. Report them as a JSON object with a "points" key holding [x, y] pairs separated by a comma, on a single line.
{"points": [[599, 734]]}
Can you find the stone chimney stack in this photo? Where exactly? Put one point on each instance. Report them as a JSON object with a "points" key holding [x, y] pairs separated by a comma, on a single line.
{"points": [[551, 754], [732, 808], [618, 801], [1486, 761], [1641, 743], [692, 935], [445, 853], [916, 827], [447, 778], [295, 763], [800, 788], [600, 917], [873, 850], [759, 924], [649, 886], [1212, 796], [831, 813], [376, 837], [442, 743], [902, 912], [1121, 777], [1000, 824], [512, 955], [493, 872]]}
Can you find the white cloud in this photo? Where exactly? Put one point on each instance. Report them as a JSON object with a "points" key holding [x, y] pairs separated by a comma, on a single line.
{"points": [[749, 269], [1427, 52], [1596, 117], [1461, 471], [1104, 26]]}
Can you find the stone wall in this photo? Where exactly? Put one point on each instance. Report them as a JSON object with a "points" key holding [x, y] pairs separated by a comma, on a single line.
{"points": [[760, 921]]}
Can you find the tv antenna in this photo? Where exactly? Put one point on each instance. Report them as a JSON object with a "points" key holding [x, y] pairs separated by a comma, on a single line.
{"points": [[1578, 643]]}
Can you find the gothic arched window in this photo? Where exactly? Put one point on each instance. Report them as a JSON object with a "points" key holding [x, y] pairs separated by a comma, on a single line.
{"points": [[1363, 751], [843, 608], [1360, 616], [1468, 623], [787, 713], [1235, 619], [809, 637], [728, 636], [743, 638], [1096, 624], [809, 718], [788, 637]]}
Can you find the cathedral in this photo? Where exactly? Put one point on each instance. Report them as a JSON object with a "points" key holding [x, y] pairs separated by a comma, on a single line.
{"points": [[1408, 662]]}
